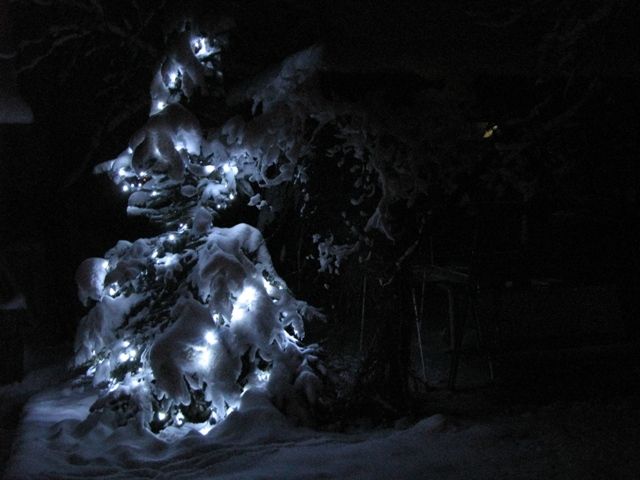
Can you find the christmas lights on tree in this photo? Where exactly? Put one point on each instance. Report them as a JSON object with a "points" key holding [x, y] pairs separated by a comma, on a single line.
{"points": [[184, 323]]}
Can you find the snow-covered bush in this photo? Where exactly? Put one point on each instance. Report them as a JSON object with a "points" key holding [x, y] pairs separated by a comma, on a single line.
{"points": [[183, 323]]}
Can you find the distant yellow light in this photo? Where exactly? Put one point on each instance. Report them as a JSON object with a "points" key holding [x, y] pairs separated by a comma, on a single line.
{"points": [[490, 131]]}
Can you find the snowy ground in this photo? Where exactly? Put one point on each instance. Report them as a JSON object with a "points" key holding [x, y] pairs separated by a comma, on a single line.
{"points": [[483, 433], [259, 443]]}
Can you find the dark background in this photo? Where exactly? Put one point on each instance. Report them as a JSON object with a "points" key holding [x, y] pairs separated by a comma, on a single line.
{"points": [[563, 76]]}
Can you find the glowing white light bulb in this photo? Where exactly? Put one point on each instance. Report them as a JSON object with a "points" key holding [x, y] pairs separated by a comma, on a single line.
{"points": [[126, 343], [162, 416], [123, 357], [168, 260], [204, 359], [172, 237], [248, 296], [208, 169], [231, 196], [244, 303], [219, 206], [144, 174], [237, 314], [161, 105], [210, 337], [122, 171], [113, 289], [125, 188], [155, 193]]}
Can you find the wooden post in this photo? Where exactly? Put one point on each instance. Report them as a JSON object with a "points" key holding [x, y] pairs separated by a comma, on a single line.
{"points": [[362, 310], [419, 337]]}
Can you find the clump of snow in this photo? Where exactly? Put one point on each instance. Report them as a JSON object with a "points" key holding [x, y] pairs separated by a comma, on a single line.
{"points": [[330, 255], [90, 277]]}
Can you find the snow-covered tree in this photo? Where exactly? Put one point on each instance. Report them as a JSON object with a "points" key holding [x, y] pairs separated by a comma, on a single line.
{"points": [[184, 323]]}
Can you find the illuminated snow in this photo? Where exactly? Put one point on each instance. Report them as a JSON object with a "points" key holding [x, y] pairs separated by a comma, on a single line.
{"points": [[206, 428], [271, 290], [204, 357]]}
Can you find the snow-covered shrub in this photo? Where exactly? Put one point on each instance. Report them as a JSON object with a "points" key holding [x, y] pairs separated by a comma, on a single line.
{"points": [[183, 323]]}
